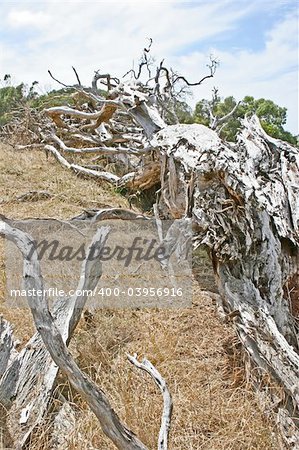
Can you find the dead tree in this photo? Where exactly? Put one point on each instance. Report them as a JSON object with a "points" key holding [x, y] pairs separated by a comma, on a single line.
{"points": [[243, 200]]}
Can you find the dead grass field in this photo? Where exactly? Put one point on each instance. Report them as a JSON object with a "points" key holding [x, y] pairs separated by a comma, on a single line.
{"points": [[214, 407]]}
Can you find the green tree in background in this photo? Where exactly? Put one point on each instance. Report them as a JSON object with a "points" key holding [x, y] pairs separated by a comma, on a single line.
{"points": [[272, 117], [12, 97], [184, 112]]}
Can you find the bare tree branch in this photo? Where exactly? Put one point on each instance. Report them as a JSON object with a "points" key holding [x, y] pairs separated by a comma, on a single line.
{"points": [[123, 438], [77, 76], [145, 61], [98, 76], [215, 121], [57, 81], [67, 111], [80, 169], [212, 66], [103, 150], [147, 366]]}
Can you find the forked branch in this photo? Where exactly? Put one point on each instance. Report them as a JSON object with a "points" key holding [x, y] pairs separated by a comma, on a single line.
{"points": [[145, 60]]}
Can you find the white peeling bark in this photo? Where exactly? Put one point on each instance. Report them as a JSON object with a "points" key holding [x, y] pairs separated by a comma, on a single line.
{"points": [[54, 340], [7, 345], [244, 201]]}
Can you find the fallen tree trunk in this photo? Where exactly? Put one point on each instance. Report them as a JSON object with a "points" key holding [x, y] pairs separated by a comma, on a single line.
{"points": [[244, 201]]}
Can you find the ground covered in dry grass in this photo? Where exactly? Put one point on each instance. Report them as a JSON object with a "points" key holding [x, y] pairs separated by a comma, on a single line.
{"points": [[214, 407]]}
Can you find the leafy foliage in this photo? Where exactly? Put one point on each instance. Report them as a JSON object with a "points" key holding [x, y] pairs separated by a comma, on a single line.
{"points": [[10, 98], [272, 117], [184, 112]]}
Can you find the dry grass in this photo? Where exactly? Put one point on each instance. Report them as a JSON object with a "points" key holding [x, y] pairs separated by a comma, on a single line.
{"points": [[214, 408], [21, 172]]}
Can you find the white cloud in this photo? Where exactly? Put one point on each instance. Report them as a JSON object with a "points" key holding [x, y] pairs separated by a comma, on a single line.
{"points": [[26, 18]]}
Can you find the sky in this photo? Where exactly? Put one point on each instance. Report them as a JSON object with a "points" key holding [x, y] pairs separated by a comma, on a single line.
{"points": [[255, 41]]}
